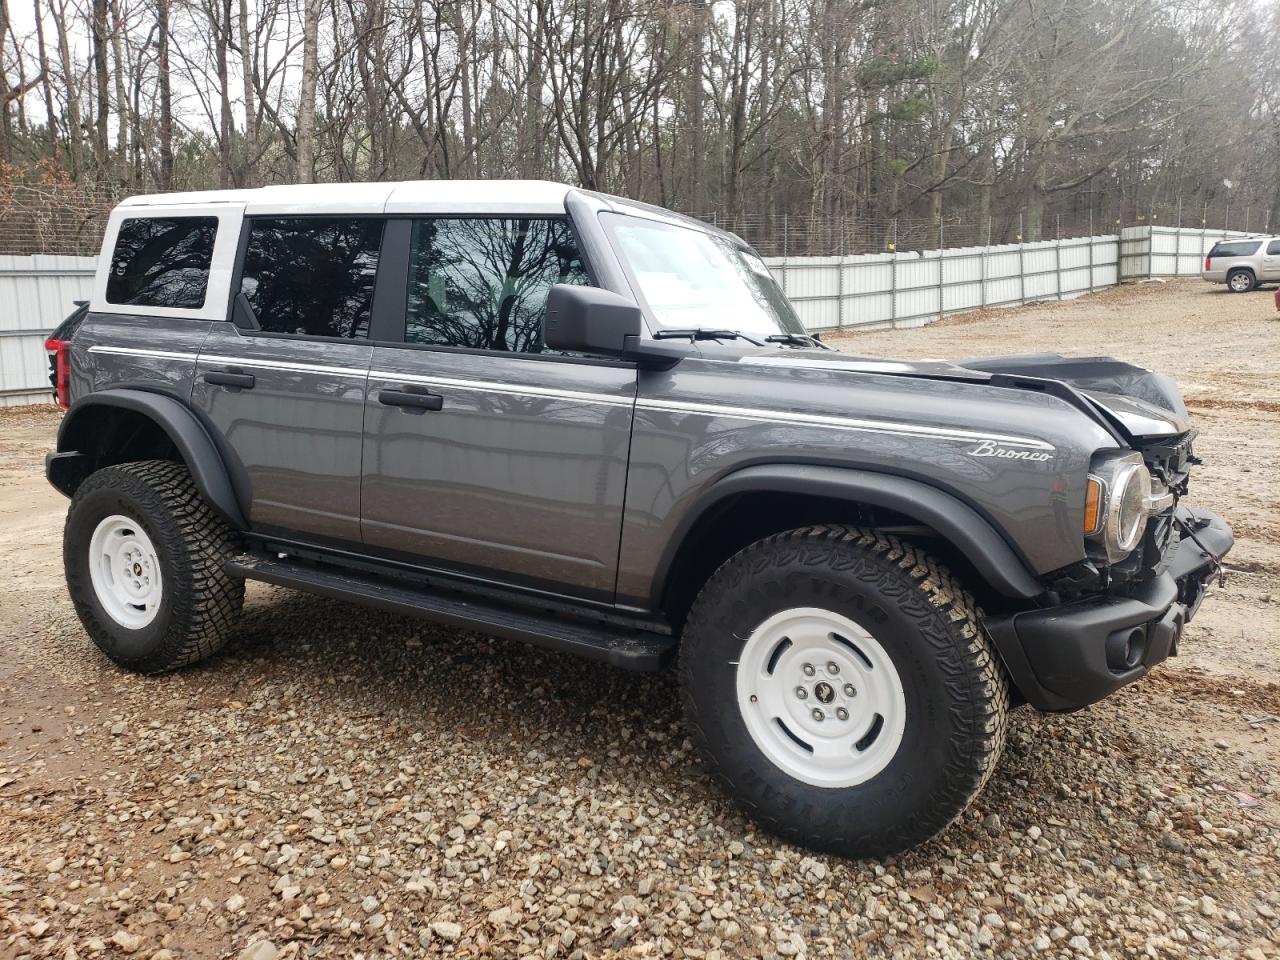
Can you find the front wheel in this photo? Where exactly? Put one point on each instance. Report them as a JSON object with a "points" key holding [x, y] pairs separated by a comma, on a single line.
{"points": [[144, 555], [843, 689]]}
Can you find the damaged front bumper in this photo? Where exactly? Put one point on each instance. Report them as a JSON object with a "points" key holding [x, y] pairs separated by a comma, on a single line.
{"points": [[1066, 657]]}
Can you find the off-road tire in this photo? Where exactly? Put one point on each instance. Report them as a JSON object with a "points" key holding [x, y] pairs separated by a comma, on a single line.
{"points": [[199, 600], [957, 695], [1242, 272]]}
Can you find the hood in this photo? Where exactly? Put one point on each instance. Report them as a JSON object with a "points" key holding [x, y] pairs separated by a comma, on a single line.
{"points": [[1138, 403], [1148, 405], [1145, 421]]}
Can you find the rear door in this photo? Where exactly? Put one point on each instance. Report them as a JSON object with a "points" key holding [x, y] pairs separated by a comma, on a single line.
{"points": [[484, 453], [283, 386]]}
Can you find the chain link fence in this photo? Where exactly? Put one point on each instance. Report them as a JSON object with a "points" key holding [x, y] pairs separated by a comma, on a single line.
{"points": [[63, 219], [792, 236], [69, 219]]}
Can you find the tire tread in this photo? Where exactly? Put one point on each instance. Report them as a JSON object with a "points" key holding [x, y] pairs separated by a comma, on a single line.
{"points": [[974, 677], [204, 541]]}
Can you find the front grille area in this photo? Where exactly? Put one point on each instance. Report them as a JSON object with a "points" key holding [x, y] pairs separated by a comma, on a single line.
{"points": [[1169, 461]]}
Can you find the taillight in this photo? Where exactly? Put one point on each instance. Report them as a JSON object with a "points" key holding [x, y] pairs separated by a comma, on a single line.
{"points": [[60, 370], [1207, 258]]}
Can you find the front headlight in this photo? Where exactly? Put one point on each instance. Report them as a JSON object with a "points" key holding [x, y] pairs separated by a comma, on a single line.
{"points": [[1118, 503]]}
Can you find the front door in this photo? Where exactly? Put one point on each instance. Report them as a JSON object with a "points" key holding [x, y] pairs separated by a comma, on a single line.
{"points": [[483, 453], [286, 400]]}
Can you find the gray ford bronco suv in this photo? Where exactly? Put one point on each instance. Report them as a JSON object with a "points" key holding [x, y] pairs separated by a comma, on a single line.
{"points": [[593, 425]]}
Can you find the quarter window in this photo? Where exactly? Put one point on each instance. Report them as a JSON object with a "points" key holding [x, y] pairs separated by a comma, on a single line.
{"points": [[312, 276], [162, 262], [483, 283], [1240, 248]]}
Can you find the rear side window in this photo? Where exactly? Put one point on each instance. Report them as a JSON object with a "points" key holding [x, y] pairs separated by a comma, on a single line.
{"points": [[312, 276], [483, 282], [1238, 248], [162, 262], [1273, 248]]}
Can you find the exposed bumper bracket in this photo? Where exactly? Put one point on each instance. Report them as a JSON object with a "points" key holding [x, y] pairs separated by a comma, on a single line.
{"points": [[1066, 657]]}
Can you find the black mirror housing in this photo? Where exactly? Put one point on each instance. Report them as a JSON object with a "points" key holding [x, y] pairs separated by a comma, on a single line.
{"points": [[590, 320], [602, 323]]}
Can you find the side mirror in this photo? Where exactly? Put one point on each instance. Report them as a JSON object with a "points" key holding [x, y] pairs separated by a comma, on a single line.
{"points": [[591, 320]]}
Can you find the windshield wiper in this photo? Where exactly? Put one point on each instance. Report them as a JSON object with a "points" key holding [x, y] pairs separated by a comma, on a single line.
{"points": [[703, 333], [801, 339]]}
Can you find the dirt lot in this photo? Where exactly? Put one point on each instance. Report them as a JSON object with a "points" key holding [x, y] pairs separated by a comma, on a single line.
{"points": [[345, 783]]}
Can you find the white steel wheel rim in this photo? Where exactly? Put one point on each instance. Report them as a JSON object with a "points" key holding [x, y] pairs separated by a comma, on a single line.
{"points": [[125, 571], [807, 659]]}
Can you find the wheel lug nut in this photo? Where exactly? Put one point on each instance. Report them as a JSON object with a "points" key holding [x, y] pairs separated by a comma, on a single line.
{"points": [[850, 690], [808, 670], [842, 713], [802, 693], [819, 715], [833, 667]]}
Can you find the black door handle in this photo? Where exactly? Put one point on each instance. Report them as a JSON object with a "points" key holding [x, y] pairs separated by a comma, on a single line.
{"points": [[230, 378], [417, 399]]}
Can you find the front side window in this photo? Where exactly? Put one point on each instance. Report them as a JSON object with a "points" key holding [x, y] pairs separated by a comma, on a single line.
{"points": [[691, 278], [312, 276], [483, 282], [162, 262]]}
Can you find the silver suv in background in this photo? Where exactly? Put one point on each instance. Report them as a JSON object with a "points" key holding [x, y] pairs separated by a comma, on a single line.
{"points": [[1243, 265]]}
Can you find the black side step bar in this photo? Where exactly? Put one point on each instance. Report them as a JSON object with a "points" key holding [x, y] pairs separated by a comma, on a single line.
{"points": [[631, 649]]}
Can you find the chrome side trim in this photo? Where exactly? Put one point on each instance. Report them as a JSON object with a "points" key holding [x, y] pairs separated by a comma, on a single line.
{"points": [[671, 406], [838, 423], [234, 361], [489, 386], [286, 365], [137, 352]]}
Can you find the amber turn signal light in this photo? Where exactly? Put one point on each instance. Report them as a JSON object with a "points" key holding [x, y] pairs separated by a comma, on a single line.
{"points": [[1092, 506]]}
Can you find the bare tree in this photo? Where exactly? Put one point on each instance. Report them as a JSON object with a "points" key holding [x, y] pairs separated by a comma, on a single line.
{"points": [[164, 82], [306, 136], [71, 90], [919, 119], [100, 39], [249, 77], [46, 83]]}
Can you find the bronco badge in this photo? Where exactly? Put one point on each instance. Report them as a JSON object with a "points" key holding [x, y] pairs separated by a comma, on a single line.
{"points": [[989, 448]]}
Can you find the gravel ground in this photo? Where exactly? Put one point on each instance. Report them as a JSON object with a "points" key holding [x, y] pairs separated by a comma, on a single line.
{"points": [[343, 783]]}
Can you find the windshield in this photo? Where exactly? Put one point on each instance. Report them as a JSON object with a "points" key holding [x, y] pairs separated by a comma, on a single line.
{"points": [[689, 278]]}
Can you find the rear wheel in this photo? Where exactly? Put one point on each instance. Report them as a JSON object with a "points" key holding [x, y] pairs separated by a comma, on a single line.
{"points": [[1241, 280], [144, 555], [843, 689]]}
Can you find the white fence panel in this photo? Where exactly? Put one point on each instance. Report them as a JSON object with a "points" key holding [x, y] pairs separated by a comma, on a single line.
{"points": [[1004, 260], [36, 293], [1152, 251], [910, 289]]}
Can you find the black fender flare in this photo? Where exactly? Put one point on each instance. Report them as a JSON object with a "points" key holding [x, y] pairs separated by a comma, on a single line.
{"points": [[179, 423], [954, 520]]}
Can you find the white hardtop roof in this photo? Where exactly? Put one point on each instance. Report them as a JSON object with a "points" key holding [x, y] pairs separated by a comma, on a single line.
{"points": [[408, 197]]}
